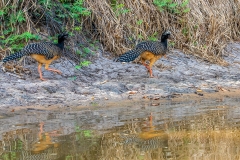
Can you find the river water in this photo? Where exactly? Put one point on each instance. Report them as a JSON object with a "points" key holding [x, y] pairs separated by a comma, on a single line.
{"points": [[191, 130]]}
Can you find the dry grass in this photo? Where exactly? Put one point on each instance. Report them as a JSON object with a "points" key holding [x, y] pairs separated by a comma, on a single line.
{"points": [[204, 31]]}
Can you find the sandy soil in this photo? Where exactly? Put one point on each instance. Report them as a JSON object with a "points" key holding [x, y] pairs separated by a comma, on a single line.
{"points": [[179, 77]]}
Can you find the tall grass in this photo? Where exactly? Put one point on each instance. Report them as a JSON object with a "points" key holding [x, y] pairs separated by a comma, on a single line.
{"points": [[199, 27], [25, 20], [203, 30]]}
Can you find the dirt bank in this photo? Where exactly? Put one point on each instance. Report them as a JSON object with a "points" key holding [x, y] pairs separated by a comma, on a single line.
{"points": [[105, 80]]}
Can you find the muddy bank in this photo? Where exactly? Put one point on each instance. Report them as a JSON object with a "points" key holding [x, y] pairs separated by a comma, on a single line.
{"points": [[105, 80]]}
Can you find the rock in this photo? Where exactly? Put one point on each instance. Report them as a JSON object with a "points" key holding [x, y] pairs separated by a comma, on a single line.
{"points": [[50, 89], [113, 75], [155, 91], [83, 91], [113, 87]]}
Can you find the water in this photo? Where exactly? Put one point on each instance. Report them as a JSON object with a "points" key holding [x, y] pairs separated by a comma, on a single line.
{"points": [[191, 130]]}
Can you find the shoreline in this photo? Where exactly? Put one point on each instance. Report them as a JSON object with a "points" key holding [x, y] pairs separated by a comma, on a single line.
{"points": [[107, 81]]}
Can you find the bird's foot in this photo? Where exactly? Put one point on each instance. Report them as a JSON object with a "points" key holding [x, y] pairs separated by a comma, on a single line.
{"points": [[43, 79], [54, 70], [150, 72], [58, 72], [151, 76]]}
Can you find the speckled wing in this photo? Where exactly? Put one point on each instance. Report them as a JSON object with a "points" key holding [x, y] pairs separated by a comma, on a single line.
{"points": [[154, 47], [130, 55], [44, 48]]}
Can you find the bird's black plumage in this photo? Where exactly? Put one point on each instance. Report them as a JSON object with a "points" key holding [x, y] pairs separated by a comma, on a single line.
{"points": [[48, 49], [156, 47]]}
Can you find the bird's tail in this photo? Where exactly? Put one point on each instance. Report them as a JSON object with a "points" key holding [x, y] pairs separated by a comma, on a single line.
{"points": [[130, 55], [14, 56]]}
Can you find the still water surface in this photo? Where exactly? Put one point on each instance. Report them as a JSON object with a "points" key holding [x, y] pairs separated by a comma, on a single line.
{"points": [[138, 131]]}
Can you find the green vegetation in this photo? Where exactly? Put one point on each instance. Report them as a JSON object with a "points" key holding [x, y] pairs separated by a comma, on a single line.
{"points": [[80, 134], [120, 9], [20, 24], [153, 37], [172, 7], [16, 146], [83, 64], [9, 36], [117, 24], [16, 42], [139, 22], [73, 10]]}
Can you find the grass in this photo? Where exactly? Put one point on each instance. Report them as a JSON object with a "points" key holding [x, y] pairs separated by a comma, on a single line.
{"points": [[201, 28], [24, 21]]}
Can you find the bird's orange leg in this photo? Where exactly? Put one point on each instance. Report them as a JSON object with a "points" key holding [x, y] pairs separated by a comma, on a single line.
{"points": [[54, 70], [152, 61], [151, 74], [40, 71], [143, 63], [150, 69], [50, 69]]}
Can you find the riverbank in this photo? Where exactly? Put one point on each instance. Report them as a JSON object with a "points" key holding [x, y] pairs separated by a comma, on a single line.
{"points": [[107, 81]]}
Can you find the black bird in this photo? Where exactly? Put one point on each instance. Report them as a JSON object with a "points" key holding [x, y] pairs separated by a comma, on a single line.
{"points": [[148, 50], [42, 52]]}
